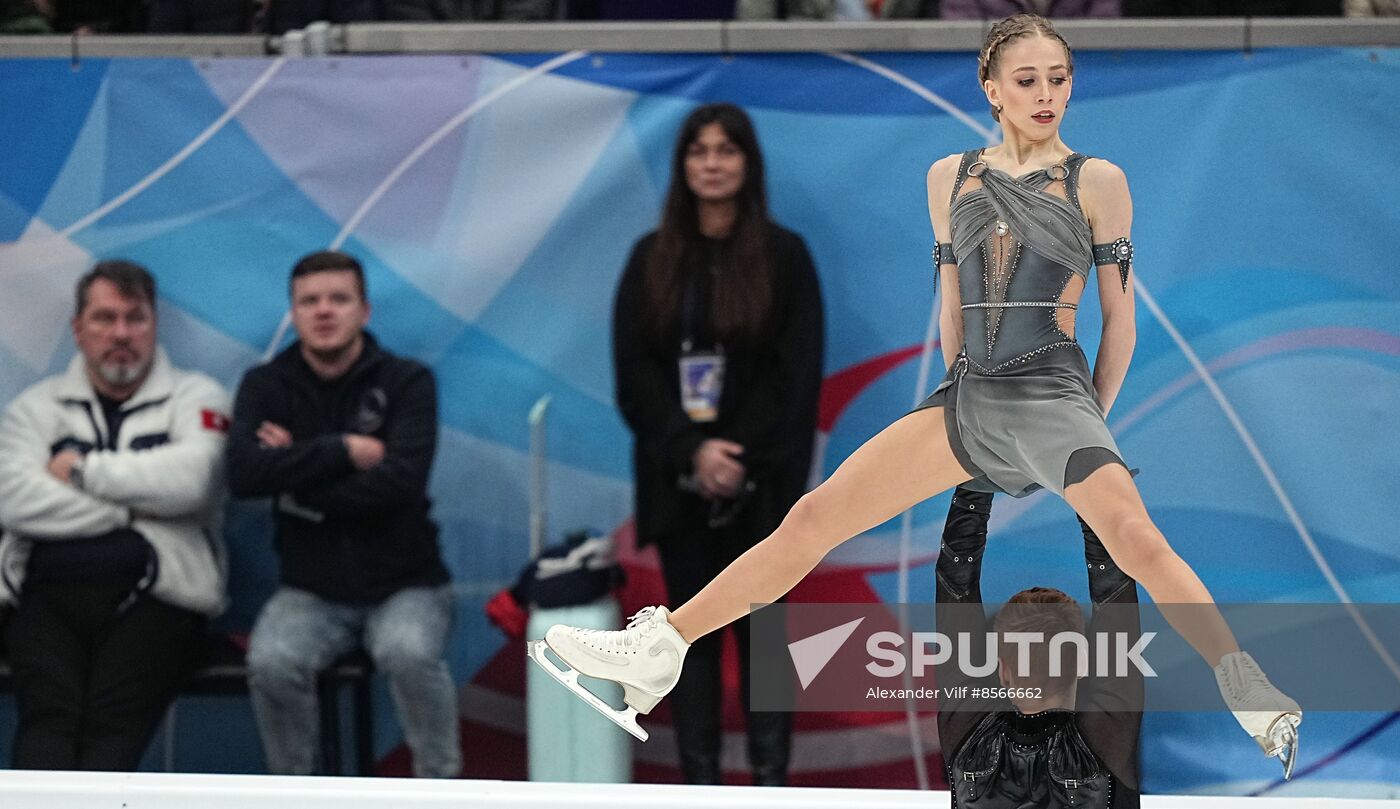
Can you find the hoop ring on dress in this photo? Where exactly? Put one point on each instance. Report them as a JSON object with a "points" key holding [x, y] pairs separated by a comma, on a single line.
{"points": [[1057, 173]]}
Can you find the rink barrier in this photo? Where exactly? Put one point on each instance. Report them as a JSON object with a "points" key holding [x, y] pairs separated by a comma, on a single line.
{"points": [[1227, 33], [59, 790]]}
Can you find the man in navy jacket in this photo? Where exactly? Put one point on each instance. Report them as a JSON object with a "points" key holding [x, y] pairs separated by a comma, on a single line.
{"points": [[341, 434]]}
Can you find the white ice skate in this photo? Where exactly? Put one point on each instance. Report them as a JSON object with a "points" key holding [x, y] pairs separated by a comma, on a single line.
{"points": [[1264, 712], [645, 659]]}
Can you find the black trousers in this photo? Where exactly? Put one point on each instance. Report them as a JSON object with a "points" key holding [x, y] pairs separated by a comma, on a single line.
{"points": [[93, 679], [689, 561]]}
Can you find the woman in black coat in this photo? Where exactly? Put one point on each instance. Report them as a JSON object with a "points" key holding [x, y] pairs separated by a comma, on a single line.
{"points": [[717, 349]]}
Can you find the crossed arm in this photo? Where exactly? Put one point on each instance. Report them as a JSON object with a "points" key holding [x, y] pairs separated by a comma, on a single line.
{"points": [[177, 479], [348, 474], [36, 503]]}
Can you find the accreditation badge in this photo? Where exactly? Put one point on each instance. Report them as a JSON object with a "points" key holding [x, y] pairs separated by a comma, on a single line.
{"points": [[702, 382]]}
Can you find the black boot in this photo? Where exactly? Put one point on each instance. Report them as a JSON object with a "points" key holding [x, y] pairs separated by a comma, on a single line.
{"points": [[699, 768], [770, 747], [695, 713]]}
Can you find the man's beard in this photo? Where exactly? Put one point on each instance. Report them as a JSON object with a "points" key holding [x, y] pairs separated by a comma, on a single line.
{"points": [[122, 375]]}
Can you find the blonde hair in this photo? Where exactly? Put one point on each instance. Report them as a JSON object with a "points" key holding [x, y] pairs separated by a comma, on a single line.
{"points": [[1011, 28]]}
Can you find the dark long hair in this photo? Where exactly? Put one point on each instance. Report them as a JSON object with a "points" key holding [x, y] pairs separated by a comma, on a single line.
{"points": [[742, 291]]}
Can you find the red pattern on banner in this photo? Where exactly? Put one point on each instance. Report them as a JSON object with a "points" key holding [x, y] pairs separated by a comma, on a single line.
{"points": [[842, 387]]}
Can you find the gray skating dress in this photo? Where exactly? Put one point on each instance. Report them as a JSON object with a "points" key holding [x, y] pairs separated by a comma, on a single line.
{"points": [[1019, 401]]}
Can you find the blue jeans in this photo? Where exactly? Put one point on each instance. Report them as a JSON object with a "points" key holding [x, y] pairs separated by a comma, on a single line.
{"points": [[298, 635]]}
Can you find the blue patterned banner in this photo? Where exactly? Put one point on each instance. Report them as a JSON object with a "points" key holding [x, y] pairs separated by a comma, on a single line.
{"points": [[494, 201]]}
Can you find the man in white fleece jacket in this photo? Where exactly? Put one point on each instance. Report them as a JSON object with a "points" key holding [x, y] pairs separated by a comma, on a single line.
{"points": [[111, 495]]}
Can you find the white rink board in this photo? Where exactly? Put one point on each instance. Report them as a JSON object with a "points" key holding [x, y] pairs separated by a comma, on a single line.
{"points": [[59, 790]]}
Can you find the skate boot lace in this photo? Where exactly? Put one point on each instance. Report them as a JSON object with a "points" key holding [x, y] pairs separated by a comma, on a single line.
{"points": [[639, 626]]}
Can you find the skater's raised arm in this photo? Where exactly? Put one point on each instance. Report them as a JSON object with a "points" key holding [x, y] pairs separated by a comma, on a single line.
{"points": [[958, 594]]}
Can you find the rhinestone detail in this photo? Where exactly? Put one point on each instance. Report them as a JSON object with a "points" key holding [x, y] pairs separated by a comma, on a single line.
{"points": [[1055, 321], [985, 371], [1119, 252], [962, 175], [987, 292], [1009, 269], [973, 166], [1052, 304], [1072, 180]]}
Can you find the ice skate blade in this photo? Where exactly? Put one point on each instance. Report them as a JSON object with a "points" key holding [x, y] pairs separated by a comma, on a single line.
{"points": [[625, 719], [1282, 741]]}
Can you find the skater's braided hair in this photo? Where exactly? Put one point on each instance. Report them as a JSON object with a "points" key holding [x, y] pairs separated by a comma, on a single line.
{"points": [[1009, 29]]}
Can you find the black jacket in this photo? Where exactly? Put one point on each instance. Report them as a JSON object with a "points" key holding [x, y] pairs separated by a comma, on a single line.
{"points": [[344, 535], [769, 402], [1019, 761]]}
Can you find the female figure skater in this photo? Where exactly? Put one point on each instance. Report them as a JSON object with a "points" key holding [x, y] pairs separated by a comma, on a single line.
{"points": [[1018, 409]]}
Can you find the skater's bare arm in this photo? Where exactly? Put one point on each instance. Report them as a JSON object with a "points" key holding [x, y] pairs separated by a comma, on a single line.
{"points": [[1109, 206], [950, 326]]}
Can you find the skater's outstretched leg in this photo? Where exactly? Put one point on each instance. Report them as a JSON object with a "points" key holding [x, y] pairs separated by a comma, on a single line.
{"points": [[1109, 502], [905, 464], [908, 462]]}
